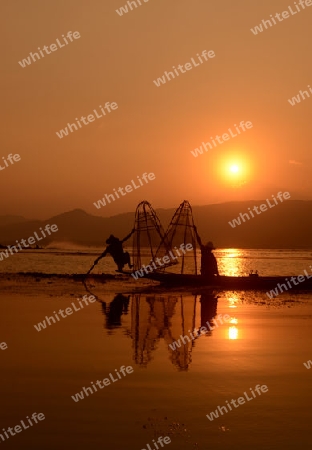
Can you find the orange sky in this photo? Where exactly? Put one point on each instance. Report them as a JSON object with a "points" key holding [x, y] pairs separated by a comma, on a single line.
{"points": [[154, 129]]}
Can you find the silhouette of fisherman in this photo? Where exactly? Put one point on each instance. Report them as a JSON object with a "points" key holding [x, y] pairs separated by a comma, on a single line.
{"points": [[209, 265], [208, 309], [118, 307], [115, 249]]}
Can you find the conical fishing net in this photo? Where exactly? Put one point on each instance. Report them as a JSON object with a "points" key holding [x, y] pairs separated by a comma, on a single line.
{"points": [[148, 235], [179, 234]]}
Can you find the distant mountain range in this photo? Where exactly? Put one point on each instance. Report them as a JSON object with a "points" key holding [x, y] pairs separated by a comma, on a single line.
{"points": [[287, 225], [10, 220]]}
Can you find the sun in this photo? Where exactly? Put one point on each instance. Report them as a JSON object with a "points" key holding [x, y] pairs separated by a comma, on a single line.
{"points": [[234, 168]]}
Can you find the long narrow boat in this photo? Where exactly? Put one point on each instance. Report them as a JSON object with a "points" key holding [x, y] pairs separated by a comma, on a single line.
{"points": [[237, 283]]}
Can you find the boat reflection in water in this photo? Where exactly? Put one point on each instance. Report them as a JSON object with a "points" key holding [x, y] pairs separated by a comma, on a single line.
{"points": [[157, 317]]}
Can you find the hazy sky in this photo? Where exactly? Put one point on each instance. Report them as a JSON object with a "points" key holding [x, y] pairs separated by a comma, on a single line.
{"points": [[154, 128]]}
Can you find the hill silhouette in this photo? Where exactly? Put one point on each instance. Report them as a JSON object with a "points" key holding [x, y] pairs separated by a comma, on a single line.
{"points": [[9, 220], [287, 225]]}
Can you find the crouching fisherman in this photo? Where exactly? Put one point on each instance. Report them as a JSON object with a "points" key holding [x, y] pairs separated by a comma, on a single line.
{"points": [[116, 250], [209, 265]]}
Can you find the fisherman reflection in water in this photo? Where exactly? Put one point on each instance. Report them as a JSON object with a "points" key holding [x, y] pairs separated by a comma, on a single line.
{"points": [[209, 265], [117, 308], [115, 249], [208, 310]]}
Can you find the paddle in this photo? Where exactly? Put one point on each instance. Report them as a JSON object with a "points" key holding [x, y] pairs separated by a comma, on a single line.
{"points": [[94, 264]]}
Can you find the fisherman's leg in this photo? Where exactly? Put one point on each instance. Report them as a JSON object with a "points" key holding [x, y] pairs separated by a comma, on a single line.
{"points": [[119, 263], [127, 260]]}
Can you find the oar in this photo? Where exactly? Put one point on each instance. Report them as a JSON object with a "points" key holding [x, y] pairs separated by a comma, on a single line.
{"points": [[93, 265]]}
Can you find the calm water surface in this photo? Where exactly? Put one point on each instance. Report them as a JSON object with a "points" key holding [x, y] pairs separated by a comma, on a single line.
{"points": [[170, 391], [232, 262]]}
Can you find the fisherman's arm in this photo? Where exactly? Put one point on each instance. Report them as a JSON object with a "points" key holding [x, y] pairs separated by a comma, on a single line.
{"points": [[216, 266], [129, 235], [101, 256]]}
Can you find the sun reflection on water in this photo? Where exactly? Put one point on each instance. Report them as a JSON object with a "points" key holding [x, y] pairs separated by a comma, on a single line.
{"points": [[231, 263], [234, 300], [233, 332]]}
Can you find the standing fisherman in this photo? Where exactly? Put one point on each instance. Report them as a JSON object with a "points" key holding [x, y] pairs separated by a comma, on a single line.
{"points": [[209, 265]]}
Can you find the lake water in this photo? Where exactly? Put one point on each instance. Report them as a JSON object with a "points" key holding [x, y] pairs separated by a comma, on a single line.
{"points": [[233, 262], [170, 392]]}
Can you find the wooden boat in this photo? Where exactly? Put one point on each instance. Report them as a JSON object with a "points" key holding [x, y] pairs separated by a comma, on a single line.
{"points": [[251, 282]]}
